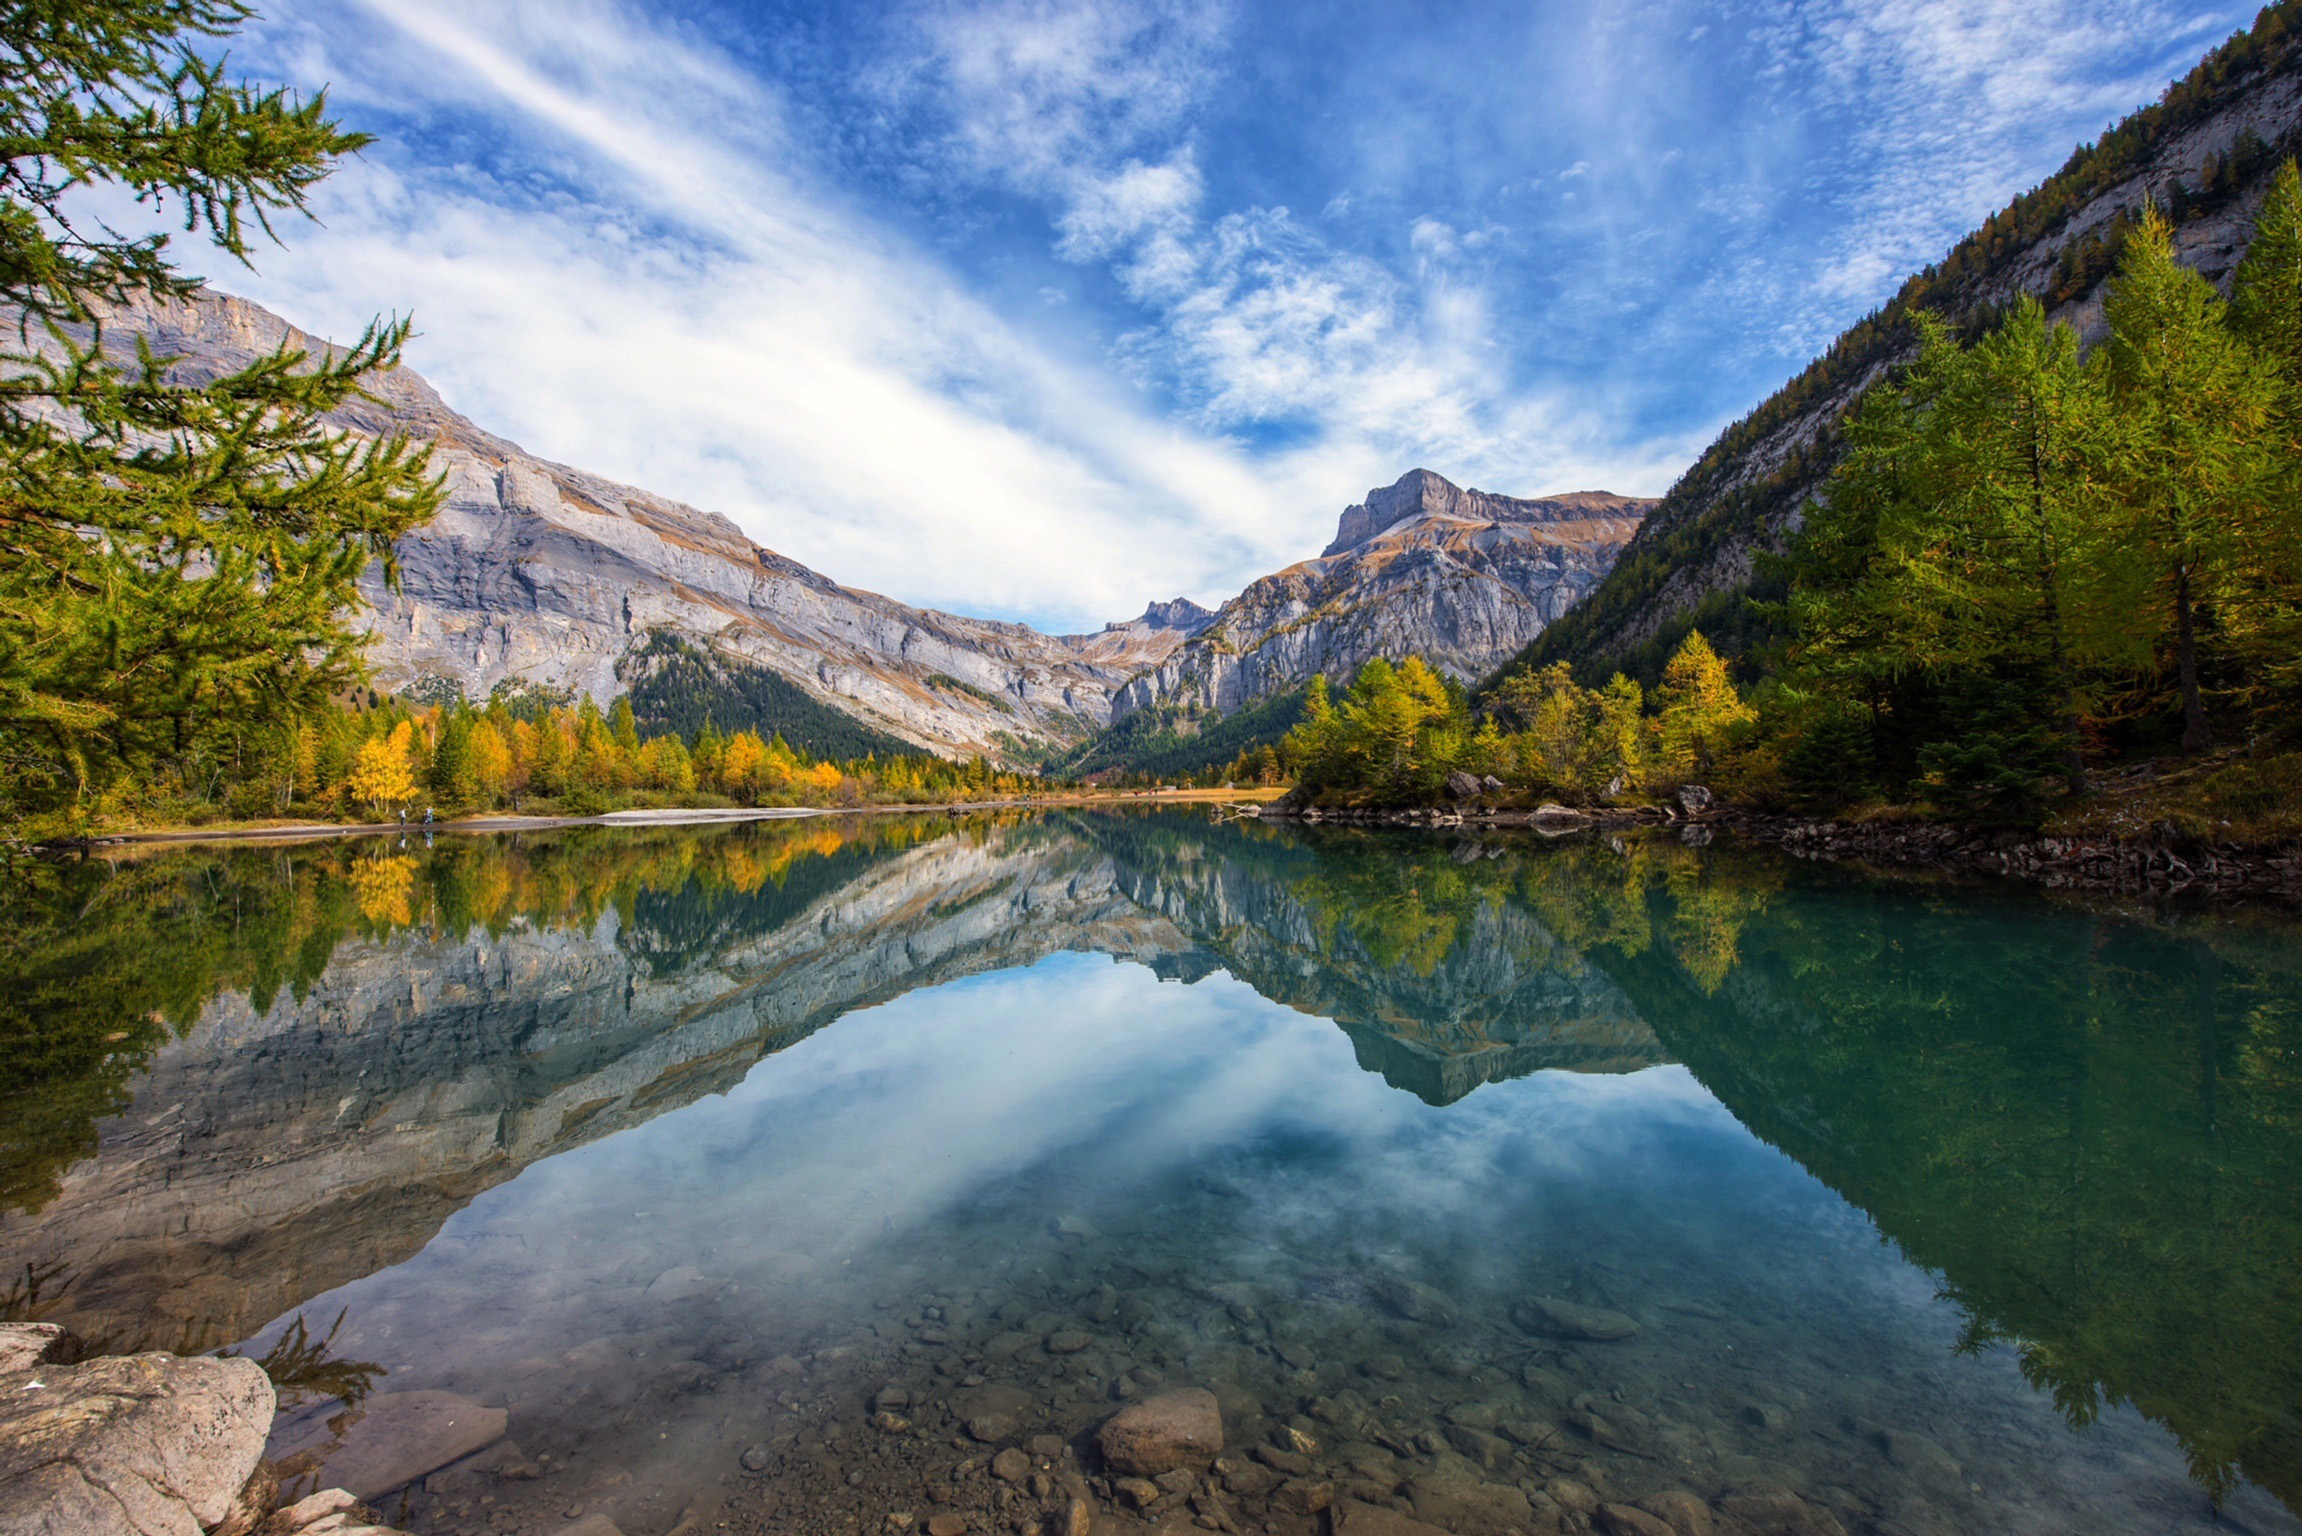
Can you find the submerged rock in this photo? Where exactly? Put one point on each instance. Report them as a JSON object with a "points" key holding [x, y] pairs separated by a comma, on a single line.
{"points": [[1350, 1517], [1413, 1300], [1160, 1434], [146, 1444], [331, 1512], [1683, 1511], [391, 1440], [1572, 1320]]}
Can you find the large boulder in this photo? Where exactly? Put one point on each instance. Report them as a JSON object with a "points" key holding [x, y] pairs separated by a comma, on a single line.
{"points": [[134, 1445], [1159, 1434], [1463, 786], [25, 1345]]}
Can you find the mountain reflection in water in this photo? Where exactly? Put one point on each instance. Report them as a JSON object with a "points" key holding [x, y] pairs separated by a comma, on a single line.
{"points": [[237, 1079]]}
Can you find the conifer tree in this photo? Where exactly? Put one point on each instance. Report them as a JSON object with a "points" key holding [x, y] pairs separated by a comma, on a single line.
{"points": [[2266, 298], [2266, 311], [2195, 409], [176, 558]]}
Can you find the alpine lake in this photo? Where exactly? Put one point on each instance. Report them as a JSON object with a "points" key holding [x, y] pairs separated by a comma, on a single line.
{"points": [[843, 1175]]}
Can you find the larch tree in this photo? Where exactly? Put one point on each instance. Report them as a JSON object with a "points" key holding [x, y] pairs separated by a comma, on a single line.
{"points": [[2266, 312], [2196, 409], [178, 558]]}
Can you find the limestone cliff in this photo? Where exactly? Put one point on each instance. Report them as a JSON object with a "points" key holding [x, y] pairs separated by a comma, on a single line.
{"points": [[1462, 578], [539, 572], [2205, 153]]}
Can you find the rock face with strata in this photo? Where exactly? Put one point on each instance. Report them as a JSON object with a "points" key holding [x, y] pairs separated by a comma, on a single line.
{"points": [[540, 572], [135, 1445], [1462, 578]]}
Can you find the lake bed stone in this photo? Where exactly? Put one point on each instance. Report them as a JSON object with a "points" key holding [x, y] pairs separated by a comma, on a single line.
{"points": [[1559, 1319], [1159, 1434], [394, 1438]]}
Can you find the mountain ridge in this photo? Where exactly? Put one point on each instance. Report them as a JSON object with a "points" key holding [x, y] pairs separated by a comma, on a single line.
{"points": [[546, 574], [1463, 578]]}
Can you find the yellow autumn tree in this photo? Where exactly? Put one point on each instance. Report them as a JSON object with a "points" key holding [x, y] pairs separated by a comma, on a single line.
{"points": [[1698, 706], [384, 769], [739, 766], [491, 758]]}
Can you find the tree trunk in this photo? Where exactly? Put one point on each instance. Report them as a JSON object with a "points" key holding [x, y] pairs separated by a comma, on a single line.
{"points": [[2073, 765], [2196, 736]]}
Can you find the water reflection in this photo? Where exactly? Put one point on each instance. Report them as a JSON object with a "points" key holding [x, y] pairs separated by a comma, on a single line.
{"points": [[295, 1068]]}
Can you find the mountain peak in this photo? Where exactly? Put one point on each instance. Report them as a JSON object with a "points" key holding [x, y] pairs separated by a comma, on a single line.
{"points": [[1420, 493], [1180, 614]]}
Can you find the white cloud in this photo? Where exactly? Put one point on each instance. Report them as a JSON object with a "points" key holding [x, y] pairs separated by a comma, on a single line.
{"points": [[1933, 112], [1253, 319], [1137, 202], [706, 323], [625, 254]]}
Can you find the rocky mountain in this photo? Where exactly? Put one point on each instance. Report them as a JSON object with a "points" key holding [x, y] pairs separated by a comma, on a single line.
{"points": [[1462, 578], [2204, 152], [538, 572]]}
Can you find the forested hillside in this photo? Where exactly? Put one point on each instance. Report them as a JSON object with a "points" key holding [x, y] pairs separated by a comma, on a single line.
{"points": [[2203, 154], [678, 688]]}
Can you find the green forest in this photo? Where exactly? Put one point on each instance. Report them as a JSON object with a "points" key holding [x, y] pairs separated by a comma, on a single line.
{"points": [[677, 689], [2034, 560], [1170, 744]]}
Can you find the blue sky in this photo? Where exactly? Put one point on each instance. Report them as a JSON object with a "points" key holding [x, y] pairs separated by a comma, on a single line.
{"points": [[1043, 309]]}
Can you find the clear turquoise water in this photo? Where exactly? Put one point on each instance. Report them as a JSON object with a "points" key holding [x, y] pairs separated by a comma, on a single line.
{"points": [[1940, 1208]]}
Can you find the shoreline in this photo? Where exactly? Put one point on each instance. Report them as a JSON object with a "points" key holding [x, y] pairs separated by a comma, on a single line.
{"points": [[2056, 861], [677, 816], [2160, 866]]}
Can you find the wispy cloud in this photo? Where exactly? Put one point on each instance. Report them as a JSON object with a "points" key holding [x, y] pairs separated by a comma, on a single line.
{"points": [[636, 280], [1253, 320], [1008, 305]]}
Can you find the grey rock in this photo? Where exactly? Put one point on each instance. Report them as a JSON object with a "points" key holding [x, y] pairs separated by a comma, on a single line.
{"points": [[330, 1512], [1694, 799], [1463, 786], [1461, 578], [137, 1445]]}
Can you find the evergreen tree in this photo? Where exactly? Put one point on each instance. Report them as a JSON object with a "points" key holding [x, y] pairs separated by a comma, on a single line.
{"points": [[176, 559], [455, 772], [2195, 411], [2266, 311], [2266, 298]]}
